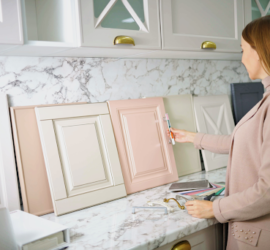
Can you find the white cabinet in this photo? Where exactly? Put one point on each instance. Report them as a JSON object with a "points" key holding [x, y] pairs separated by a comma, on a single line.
{"points": [[159, 28], [207, 239], [187, 24], [50, 26], [10, 22], [103, 20], [80, 155]]}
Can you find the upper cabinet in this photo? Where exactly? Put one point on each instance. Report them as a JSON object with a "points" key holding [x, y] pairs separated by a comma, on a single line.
{"points": [[104, 20], [187, 24], [10, 22], [255, 9], [50, 21], [128, 28], [49, 26]]}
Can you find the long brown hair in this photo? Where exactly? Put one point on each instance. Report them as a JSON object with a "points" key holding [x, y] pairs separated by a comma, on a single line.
{"points": [[257, 34]]}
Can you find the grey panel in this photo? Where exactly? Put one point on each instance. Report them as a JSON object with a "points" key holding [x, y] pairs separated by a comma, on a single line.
{"points": [[244, 97]]}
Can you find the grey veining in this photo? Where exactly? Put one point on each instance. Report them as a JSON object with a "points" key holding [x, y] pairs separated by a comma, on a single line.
{"points": [[113, 226], [48, 80]]}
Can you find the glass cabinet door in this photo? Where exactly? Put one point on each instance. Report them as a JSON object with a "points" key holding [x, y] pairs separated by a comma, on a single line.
{"points": [[260, 8], [103, 20], [119, 17]]}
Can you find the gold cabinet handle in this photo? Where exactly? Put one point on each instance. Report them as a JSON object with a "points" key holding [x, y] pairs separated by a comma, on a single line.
{"points": [[183, 245], [167, 200], [208, 45], [123, 40]]}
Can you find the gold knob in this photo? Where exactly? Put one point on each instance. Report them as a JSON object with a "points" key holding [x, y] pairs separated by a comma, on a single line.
{"points": [[208, 45], [167, 200], [183, 245], [123, 40]]}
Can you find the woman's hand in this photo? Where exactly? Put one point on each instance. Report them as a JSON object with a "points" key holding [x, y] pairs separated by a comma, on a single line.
{"points": [[182, 135], [200, 209]]}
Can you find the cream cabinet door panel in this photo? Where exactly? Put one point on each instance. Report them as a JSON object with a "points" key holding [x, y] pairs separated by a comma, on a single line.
{"points": [[10, 22], [181, 114], [186, 24], [146, 156], [80, 155], [96, 34], [214, 116]]}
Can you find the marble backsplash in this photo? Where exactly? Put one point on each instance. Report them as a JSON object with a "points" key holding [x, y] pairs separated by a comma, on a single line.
{"points": [[48, 80]]}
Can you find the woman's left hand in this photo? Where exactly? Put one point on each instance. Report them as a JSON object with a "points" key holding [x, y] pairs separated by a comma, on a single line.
{"points": [[200, 209]]}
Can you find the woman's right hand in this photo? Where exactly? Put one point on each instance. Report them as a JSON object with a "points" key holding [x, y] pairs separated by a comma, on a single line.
{"points": [[182, 135]]}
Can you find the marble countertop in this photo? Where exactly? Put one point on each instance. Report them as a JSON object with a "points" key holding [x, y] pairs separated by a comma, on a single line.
{"points": [[113, 226]]}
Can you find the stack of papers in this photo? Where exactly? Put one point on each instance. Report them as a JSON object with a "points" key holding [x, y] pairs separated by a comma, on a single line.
{"points": [[205, 191]]}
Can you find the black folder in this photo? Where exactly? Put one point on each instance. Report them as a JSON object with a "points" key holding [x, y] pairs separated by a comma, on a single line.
{"points": [[244, 97]]}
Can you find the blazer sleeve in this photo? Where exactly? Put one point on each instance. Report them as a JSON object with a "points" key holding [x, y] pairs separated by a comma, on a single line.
{"points": [[254, 201], [219, 144]]}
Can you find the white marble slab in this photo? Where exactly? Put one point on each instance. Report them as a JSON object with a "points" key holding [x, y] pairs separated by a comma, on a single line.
{"points": [[49, 80], [113, 226]]}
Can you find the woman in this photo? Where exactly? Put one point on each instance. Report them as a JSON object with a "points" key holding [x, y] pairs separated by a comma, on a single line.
{"points": [[246, 205]]}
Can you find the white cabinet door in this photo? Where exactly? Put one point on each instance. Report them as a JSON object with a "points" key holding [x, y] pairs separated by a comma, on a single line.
{"points": [[187, 24], [103, 20], [10, 22], [214, 116], [80, 155]]}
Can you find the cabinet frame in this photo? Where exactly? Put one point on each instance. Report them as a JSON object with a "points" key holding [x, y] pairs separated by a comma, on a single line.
{"points": [[93, 36]]}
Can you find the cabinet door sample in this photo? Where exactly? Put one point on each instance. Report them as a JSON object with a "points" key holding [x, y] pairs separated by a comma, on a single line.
{"points": [[181, 114], [10, 22], [80, 154], [146, 156], [103, 21], [9, 191], [244, 97], [214, 116], [187, 24], [34, 184]]}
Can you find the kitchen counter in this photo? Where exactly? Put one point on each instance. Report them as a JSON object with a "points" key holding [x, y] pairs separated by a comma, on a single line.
{"points": [[113, 226]]}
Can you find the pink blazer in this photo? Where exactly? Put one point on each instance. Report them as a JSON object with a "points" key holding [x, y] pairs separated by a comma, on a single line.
{"points": [[246, 205]]}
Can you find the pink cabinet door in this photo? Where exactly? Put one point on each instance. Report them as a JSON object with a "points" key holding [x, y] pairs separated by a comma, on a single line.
{"points": [[146, 156]]}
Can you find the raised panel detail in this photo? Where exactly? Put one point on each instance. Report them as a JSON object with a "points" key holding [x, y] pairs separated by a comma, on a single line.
{"points": [[81, 156], [146, 157], [140, 125]]}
